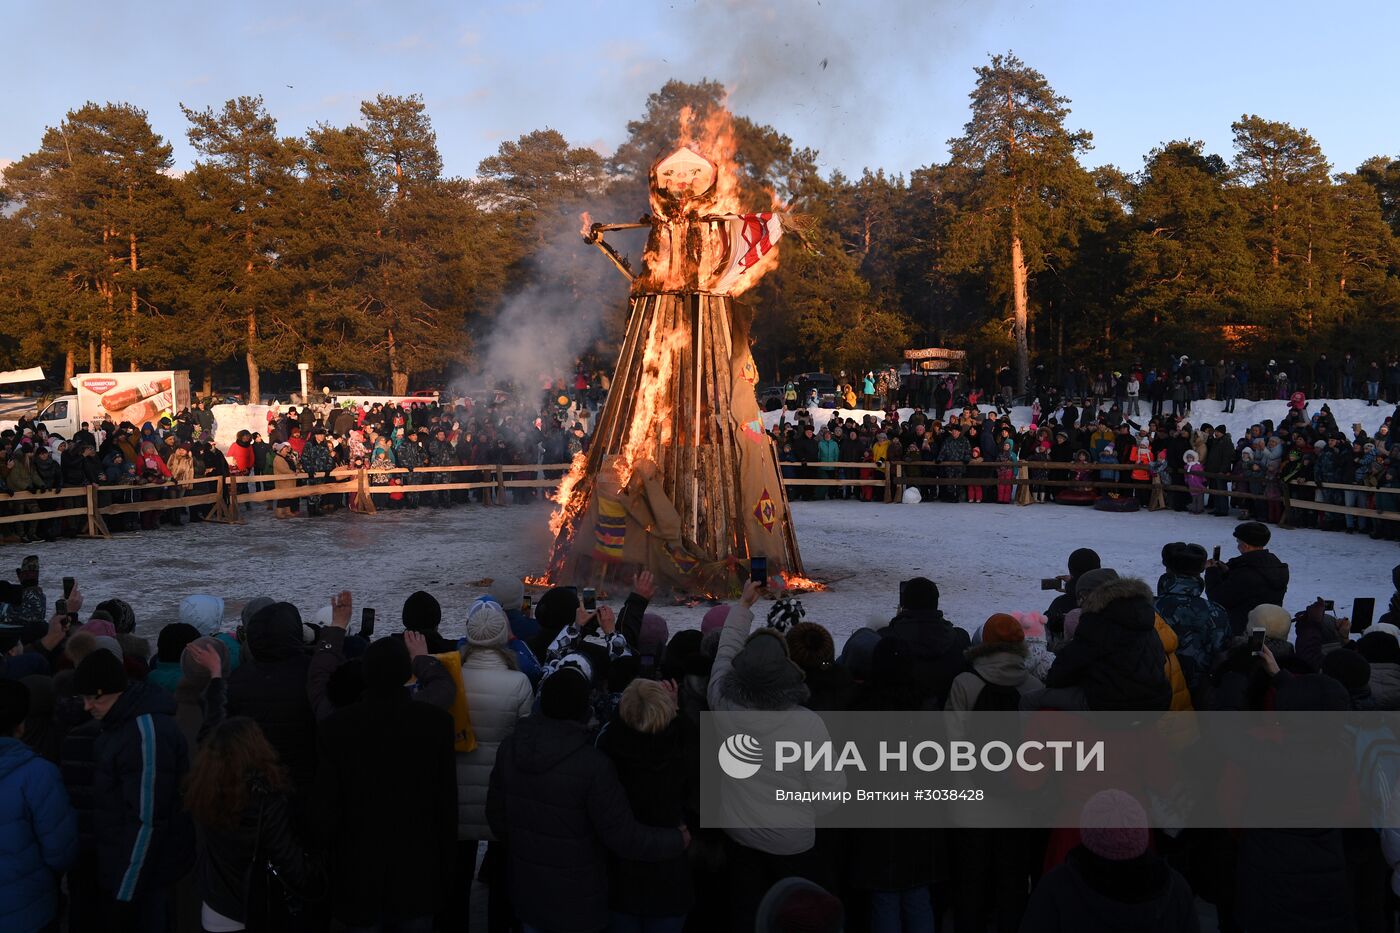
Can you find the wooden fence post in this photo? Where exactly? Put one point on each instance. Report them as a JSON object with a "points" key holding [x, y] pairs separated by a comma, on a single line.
{"points": [[96, 527], [500, 484], [364, 502]]}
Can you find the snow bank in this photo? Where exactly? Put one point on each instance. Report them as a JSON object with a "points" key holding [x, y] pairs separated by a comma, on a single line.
{"points": [[984, 558], [1347, 412], [230, 419]]}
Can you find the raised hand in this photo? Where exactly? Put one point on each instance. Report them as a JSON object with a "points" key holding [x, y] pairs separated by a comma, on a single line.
{"points": [[340, 610]]}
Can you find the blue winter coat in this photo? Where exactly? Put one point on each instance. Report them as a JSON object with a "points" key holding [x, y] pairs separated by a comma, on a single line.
{"points": [[38, 837], [144, 840], [1202, 627]]}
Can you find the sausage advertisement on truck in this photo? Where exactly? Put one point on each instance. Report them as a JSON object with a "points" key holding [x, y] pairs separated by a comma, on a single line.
{"points": [[134, 397]]}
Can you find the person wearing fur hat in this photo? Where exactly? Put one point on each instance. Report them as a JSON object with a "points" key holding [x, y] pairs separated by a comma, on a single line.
{"points": [[498, 697], [812, 648], [1202, 627], [754, 672], [556, 801], [1255, 576], [1112, 880], [1115, 658]]}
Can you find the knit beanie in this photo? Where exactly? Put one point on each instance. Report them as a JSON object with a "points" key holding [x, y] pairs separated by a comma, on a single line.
{"points": [[651, 639], [714, 619], [1002, 629], [108, 643], [763, 667], [253, 607], [1379, 647], [683, 658], [1032, 623], [1082, 561], [919, 594], [191, 670], [171, 641], [205, 613], [421, 613], [796, 905], [810, 646], [99, 674], [14, 706], [487, 625], [386, 664], [100, 628], [1092, 580], [556, 610], [1113, 826], [1274, 620], [1350, 669], [509, 592], [119, 611], [785, 613], [564, 694]]}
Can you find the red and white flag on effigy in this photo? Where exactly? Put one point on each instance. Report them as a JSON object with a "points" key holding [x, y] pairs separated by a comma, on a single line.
{"points": [[751, 237]]}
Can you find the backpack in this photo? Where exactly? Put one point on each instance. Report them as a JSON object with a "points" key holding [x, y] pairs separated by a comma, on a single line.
{"points": [[996, 697]]}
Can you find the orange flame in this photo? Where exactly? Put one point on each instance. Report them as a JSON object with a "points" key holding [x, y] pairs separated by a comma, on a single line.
{"points": [[794, 583], [586, 225], [538, 582], [568, 497]]}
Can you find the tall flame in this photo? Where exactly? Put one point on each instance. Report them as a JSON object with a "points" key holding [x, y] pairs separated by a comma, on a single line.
{"points": [[714, 138]]}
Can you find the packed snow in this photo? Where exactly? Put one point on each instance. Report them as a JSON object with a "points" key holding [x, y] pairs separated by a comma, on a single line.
{"points": [[1347, 412], [984, 558]]}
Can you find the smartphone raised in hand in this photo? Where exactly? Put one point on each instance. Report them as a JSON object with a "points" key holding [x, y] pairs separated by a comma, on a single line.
{"points": [[1050, 583], [1256, 641], [1362, 611], [60, 607], [525, 604], [68, 584], [758, 570], [366, 622], [590, 599], [1215, 554]]}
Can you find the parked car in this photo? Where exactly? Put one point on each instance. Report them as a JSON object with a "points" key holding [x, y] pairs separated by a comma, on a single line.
{"points": [[770, 398]]}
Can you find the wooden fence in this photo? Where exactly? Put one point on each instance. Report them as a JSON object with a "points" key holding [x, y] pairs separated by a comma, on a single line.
{"points": [[223, 495]]}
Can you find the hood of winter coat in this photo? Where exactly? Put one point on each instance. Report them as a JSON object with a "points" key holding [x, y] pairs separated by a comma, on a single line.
{"points": [[764, 677], [13, 754], [274, 633], [1125, 602], [1001, 664], [542, 743], [641, 751], [205, 613]]}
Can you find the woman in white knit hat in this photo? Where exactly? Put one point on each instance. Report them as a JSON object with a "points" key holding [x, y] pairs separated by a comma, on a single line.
{"points": [[498, 695]]}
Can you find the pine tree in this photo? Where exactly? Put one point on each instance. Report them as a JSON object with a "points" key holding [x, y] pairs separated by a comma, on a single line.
{"points": [[1025, 191], [236, 199]]}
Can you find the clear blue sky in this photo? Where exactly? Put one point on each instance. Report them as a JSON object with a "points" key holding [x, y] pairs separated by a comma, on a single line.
{"points": [[894, 88]]}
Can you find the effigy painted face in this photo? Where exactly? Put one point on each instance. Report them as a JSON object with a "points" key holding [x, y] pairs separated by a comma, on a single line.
{"points": [[685, 174]]}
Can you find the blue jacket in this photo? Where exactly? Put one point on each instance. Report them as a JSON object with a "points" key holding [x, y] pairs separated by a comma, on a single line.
{"points": [[1202, 627], [38, 837], [144, 840]]}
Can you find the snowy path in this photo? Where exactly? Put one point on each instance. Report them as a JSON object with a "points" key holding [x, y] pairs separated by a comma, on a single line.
{"points": [[985, 558]]}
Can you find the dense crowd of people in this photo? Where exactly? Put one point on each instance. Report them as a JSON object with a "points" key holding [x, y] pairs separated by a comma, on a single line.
{"points": [[980, 455], [279, 773]]}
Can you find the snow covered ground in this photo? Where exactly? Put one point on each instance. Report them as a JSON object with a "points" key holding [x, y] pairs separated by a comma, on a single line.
{"points": [[1346, 411], [985, 558]]}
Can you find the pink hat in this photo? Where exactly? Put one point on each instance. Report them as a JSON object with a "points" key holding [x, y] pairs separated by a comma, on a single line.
{"points": [[99, 628], [1113, 826], [1032, 623], [714, 619]]}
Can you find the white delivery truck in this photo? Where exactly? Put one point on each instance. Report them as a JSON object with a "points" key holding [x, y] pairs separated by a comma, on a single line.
{"points": [[135, 397]]}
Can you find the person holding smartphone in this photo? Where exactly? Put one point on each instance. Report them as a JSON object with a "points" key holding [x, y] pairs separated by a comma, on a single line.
{"points": [[1253, 578]]}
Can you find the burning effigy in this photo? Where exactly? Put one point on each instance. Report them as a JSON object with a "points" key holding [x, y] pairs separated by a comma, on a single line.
{"points": [[680, 478]]}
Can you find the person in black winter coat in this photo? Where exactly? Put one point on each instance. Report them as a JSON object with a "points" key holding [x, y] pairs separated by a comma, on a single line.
{"points": [[645, 743], [556, 801], [385, 804], [1254, 578], [124, 771], [1115, 656], [270, 688], [237, 796], [1081, 561], [936, 644]]}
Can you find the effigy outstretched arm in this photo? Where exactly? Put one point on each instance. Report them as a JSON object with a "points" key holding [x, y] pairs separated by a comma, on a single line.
{"points": [[594, 235]]}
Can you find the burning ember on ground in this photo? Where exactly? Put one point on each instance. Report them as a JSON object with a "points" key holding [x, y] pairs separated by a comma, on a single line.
{"points": [[541, 583], [796, 584]]}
